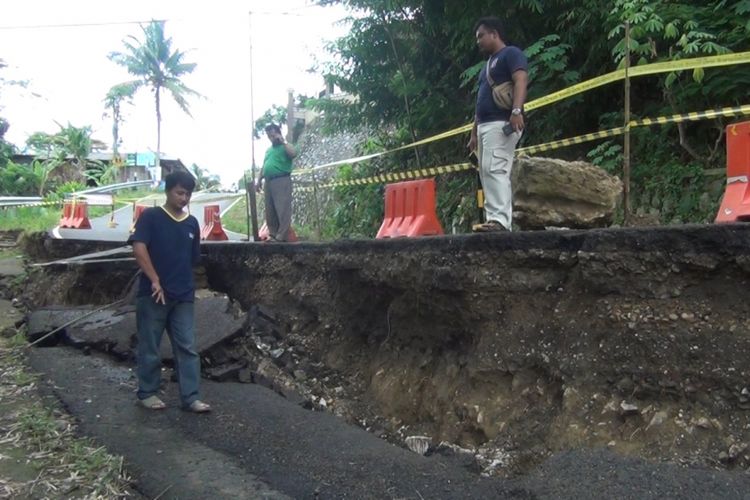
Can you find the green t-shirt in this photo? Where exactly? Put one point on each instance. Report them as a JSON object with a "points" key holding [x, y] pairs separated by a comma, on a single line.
{"points": [[277, 162]]}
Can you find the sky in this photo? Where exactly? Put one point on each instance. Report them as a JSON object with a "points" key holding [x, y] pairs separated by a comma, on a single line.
{"points": [[61, 49]]}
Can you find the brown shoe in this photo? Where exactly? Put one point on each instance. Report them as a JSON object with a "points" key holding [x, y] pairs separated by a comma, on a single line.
{"points": [[491, 226]]}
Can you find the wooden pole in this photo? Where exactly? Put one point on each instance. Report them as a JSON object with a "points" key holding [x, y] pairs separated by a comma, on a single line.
{"points": [[318, 230], [252, 213], [626, 138]]}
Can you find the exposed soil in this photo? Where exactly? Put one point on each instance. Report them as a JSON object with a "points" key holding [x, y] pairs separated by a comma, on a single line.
{"points": [[514, 346]]}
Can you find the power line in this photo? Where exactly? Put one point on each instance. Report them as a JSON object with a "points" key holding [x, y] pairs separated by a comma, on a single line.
{"points": [[77, 25]]}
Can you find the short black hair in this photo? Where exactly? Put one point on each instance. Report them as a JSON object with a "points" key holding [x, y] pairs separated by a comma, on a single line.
{"points": [[179, 178], [492, 24], [273, 128]]}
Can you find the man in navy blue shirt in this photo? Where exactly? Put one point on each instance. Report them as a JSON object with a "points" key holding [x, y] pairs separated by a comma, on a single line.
{"points": [[166, 244], [497, 128]]}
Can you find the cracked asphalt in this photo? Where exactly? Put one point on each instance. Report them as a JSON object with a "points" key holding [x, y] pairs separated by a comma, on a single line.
{"points": [[256, 444]]}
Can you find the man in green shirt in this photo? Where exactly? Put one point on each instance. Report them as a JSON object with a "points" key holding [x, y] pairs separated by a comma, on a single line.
{"points": [[276, 172]]}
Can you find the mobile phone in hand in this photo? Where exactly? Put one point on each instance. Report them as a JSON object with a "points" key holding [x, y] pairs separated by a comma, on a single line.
{"points": [[508, 129], [473, 159]]}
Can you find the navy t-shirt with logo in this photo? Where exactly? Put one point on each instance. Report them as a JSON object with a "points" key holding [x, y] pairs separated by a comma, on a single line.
{"points": [[503, 64], [174, 248]]}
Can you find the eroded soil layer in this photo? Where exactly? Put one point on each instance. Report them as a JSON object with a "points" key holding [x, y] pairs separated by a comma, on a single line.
{"points": [[521, 344]]}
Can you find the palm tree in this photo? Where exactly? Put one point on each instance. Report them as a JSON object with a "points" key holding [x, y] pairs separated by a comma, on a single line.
{"points": [[157, 66], [113, 104], [204, 179]]}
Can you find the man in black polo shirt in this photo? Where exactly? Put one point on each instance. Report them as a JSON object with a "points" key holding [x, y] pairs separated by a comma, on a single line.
{"points": [[497, 128], [166, 244], [276, 171]]}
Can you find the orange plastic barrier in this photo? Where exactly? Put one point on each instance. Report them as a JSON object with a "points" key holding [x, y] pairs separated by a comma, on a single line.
{"points": [[137, 211], [78, 217], [735, 206], [410, 210], [212, 230], [65, 220], [263, 234]]}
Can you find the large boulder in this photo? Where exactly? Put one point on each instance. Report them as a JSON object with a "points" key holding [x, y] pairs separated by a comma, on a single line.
{"points": [[555, 193]]}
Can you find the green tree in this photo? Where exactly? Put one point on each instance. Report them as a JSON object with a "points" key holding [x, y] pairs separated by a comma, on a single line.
{"points": [[6, 149], [69, 146], [159, 67], [411, 69], [276, 114], [113, 101]]}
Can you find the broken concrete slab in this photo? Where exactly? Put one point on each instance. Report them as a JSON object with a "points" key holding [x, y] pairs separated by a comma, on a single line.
{"points": [[114, 331], [12, 267]]}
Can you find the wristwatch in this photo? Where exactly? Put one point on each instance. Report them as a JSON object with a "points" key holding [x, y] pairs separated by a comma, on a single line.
{"points": [[516, 111]]}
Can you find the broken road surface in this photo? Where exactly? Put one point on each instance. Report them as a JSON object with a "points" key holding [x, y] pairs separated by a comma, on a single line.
{"points": [[258, 445]]}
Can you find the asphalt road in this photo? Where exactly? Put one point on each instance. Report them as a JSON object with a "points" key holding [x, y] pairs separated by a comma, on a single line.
{"points": [[258, 445], [101, 230]]}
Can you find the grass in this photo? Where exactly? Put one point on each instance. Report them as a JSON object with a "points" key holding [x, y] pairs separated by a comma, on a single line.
{"points": [[41, 457], [29, 218], [236, 219]]}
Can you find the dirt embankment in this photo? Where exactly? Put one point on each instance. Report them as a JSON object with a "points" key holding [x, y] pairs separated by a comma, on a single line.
{"points": [[512, 346], [516, 345]]}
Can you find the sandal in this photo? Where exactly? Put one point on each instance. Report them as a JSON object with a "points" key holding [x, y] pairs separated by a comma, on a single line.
{"points": [[491, 226], [198, 406], [152, 403]]}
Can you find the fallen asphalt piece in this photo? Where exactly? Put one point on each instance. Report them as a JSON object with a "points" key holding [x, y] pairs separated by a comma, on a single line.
{"points": [[256, 444], [113, 330]]}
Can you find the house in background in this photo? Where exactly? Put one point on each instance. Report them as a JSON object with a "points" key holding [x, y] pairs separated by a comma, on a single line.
{"points": [[132, 166]]}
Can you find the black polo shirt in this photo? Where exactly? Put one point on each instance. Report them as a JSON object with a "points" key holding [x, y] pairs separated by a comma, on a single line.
{"points": [[174, 248], [503, 64]]}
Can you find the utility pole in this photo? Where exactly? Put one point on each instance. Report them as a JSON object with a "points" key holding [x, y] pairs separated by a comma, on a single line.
{"points": [[252, 211]]}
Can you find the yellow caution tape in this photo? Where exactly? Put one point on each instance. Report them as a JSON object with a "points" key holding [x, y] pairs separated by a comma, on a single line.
{"points": [[548, 146], [644, 122], [396, 176], [646, 69]]}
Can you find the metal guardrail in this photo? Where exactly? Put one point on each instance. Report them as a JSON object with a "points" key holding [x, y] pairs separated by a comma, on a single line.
{"points": [[14, 201], [114, 187]]}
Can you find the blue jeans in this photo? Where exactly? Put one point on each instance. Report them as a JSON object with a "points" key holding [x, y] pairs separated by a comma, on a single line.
{"points": [[177, 319]]}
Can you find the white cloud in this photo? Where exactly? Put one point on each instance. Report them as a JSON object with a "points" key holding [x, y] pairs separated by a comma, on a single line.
{"points": [[69, 69]]}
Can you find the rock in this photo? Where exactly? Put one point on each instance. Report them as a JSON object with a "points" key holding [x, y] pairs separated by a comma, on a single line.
{"points": [[300, 375], [277, 353], [702, 423], [628, 409], [418, 444], [245, 376], [736, 449], [225, 372], [551, 192], [723, 457], [625, 385]]}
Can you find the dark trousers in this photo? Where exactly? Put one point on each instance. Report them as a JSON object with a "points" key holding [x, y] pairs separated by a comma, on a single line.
{"points": [[178, 319], [278, 198]]}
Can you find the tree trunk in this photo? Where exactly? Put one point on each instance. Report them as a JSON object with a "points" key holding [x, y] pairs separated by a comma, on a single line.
{"points": [[116, 129], [158, 135], [406, 97]]}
